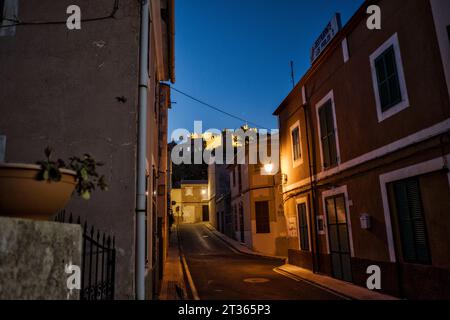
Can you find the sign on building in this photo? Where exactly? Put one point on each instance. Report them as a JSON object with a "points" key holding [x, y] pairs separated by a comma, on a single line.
{"points": [[292, 227], [332, 28]]}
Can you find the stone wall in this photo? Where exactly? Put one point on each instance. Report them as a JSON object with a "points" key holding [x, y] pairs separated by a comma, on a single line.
{"points": [[33, 256]]}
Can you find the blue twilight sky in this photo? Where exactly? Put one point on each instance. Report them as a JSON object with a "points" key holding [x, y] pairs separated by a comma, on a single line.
{"points": [[235, 54]]}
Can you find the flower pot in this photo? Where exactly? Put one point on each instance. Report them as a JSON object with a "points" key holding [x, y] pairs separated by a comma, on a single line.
{"points": [[22, 196]]}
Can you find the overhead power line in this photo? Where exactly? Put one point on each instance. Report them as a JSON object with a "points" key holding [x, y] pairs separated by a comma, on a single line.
{"points": [[218, 109]]}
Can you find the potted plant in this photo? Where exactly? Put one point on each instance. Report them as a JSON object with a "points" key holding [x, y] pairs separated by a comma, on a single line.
{"points": [[41, 190]]}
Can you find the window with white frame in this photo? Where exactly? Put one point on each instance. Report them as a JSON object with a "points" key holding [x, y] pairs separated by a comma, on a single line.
{"points": [[8, 14], [328, 137], [296, 147], [388, 79]]}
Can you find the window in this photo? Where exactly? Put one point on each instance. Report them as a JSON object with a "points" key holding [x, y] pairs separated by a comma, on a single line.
{"points": [[296, 145], [2, 5], [388, 79], [328, 135], [8, 10], [448, 33], [411, 223], [303, 226], [262, 217]]}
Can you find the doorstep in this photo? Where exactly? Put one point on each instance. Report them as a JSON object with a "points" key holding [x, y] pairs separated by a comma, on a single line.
{"points": [[345, 289], [239, 247]]}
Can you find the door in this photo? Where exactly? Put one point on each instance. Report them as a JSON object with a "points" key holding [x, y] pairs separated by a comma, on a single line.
{"points": [[303, 226], [338, 237], [205, 213]]}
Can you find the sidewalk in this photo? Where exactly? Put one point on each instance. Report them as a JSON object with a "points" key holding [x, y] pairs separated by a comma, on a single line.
{"points": [[342, 288], [173, 286], [239, 247], [345, 289]]}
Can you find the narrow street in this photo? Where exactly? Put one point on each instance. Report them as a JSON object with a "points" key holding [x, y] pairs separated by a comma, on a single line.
{"points": [[219, 272]]}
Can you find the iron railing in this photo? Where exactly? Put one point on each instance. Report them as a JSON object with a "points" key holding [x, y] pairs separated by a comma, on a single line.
{"points": [[98, 262]]}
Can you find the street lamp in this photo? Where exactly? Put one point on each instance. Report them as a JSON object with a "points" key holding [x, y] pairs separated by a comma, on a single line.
{"points": [[268, 167]]}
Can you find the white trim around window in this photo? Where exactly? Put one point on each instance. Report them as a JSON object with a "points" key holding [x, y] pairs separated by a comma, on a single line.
{"points": [[328, 97], [404, 103], [297, 202], [441, 17], [416, 137], [400, 174], [298, 162], [10, 11], [345, 54], [335, 192]]}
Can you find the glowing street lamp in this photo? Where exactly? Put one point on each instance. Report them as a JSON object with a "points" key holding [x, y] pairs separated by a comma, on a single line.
{"points": [[268, 168]]}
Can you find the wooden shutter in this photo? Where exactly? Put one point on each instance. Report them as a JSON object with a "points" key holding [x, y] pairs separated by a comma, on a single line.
{"points": [[303, 226], [262, 217], [296, 143], [387, 78], [327, 135], [411, 221]]}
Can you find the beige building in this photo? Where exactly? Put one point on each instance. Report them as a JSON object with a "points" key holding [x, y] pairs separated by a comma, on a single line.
{"points": [[256, 204], [190, 202]]}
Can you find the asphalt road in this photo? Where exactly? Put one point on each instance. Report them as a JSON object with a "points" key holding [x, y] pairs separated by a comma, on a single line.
{"points": [[219, 273]]}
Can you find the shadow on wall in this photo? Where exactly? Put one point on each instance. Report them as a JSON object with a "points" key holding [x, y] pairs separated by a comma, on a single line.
{"points": [[281, 246]]}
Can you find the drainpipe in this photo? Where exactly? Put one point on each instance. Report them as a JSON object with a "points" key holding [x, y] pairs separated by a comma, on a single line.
{"points": [[141, 153], [311, 165]]}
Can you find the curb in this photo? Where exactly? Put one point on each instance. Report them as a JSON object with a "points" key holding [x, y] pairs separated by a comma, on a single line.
{"points": [[315, 284], [235, 248], [375, 296]]}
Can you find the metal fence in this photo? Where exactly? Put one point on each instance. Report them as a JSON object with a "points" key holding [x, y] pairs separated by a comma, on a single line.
{"points": [[98, 262]]}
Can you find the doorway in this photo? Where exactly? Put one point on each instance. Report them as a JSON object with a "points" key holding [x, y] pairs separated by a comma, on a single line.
{"points": [[205, 213], [338, 237]]}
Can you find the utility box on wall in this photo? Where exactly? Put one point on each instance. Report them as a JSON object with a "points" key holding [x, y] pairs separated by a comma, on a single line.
{"points": [[365, 221]]}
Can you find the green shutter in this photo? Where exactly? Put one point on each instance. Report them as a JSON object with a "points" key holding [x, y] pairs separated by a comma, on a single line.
{"points": [[411, 221], [296, 143], [328, 135], [324, 136], [387, 77], [303, 226]]}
